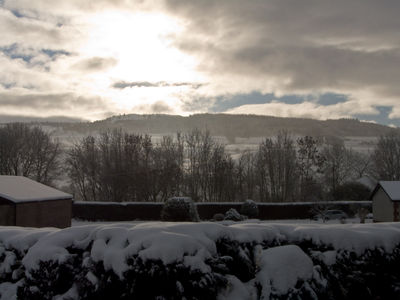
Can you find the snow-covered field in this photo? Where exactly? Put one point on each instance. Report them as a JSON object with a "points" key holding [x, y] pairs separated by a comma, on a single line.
{"points": [[273, 255]]}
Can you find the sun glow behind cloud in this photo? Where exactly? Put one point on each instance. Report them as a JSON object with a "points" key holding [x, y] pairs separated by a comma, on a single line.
{"points": [[141, 45], [91, 59]]}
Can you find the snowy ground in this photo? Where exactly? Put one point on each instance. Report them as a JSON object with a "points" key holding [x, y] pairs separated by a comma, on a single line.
{"points": [[77, 222]]}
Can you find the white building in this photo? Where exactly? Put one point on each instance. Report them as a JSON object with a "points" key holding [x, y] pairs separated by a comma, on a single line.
{"points": [[386, 201]]}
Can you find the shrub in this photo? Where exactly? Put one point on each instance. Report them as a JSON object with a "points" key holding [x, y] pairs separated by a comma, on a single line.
{"points": [[219, 217], [351, 191], [149, 280], [179, 209], [249, 208], [233, 215], [10, 261]]}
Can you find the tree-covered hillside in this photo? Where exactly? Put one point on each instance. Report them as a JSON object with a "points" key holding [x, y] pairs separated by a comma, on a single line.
{"points": [[233, 125]]}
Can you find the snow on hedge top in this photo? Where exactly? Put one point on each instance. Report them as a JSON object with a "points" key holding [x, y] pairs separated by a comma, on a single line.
{"points": [[190, 243], [392, 189], [281, 268], [21, 189]]}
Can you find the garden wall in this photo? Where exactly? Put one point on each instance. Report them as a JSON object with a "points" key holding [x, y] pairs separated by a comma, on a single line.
{"points": [[126, 211], [114, 211]]}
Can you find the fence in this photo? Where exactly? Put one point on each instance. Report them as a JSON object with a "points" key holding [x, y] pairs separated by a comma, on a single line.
{"points": [[130, 211]]}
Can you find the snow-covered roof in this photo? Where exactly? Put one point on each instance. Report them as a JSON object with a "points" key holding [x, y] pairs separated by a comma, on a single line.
{"points": [[21, 189], [391, 188]]}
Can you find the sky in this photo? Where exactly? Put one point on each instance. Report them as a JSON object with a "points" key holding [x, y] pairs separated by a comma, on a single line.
{"points": [[93, 59]]}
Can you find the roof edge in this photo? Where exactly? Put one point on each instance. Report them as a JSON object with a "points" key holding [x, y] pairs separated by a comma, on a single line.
{"points": [[375, 190], [14, 200]]}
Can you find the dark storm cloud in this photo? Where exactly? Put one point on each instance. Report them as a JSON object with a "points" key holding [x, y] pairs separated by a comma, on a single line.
{"points": [[304, 45], [159, 107], [312, 67], [123, 84], [292, 20], [94, 64], [22, 118], [49, 101]]}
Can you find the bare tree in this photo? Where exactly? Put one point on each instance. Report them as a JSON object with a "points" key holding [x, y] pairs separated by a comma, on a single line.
{"points": [[83, 169], [29, 151], [361, 164], [386, 157], [193, 142], [310, 162], [167, 170], [246, 175], [279, 158], [222, 182], [113, 174], [261, 176], [199, 150], [337, 165], [209, 170]]}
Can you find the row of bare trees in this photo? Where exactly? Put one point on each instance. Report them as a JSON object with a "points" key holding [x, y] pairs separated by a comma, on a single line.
{"points": [[118, 166], [306, 169]]}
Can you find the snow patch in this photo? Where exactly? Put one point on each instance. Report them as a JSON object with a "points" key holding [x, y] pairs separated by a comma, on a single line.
{"points": [[282, 267], [8, 290], [238, 290]]}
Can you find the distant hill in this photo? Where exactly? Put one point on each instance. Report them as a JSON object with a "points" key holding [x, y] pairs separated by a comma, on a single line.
{"points": [[232, 126], [26, 119]]}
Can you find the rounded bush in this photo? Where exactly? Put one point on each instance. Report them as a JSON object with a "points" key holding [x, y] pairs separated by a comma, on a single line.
{"points": [[218, 217], [179, 209], [249, 208], [233, 215]]}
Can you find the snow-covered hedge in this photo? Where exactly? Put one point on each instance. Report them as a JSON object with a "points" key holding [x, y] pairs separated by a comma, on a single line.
{"points": [[201, 261]]}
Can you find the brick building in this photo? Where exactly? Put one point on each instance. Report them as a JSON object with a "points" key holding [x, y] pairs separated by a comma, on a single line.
{"points": [[25, 202]]}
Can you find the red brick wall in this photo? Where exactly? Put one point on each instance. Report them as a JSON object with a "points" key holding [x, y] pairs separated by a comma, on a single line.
{"points": [[7, 214], [54, 213], [395, 211]]}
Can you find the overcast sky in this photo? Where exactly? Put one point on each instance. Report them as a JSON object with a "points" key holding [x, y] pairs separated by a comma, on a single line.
{"points": [[309, 58]]}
